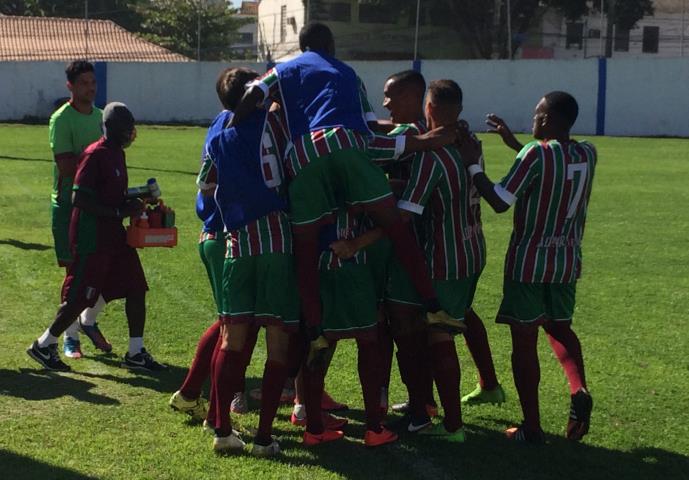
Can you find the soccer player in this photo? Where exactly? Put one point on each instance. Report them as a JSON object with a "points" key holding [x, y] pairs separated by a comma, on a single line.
{"points": [[550, 185], [103, 262], [229, 88], [72, 128], [259, 287], [326, 110]]}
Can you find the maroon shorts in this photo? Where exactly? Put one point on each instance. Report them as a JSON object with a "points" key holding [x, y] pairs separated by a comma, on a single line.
{"points": [[115, 274]]}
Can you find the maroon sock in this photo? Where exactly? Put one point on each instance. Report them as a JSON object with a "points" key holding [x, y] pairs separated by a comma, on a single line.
{"points": [[446, 373], [227, 378], [274, 375], [567, 348], [427, 373], [411, 365], [410, 256], [368, 365], [296, 350], [313, 385], [527, 372], [212, 396], [476, 339], [201, 365], [247, 352], [386, 349], [306, 253]]}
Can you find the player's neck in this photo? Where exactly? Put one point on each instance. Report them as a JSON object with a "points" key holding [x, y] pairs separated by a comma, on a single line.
{"points": [[82, 107], [561, 137]]}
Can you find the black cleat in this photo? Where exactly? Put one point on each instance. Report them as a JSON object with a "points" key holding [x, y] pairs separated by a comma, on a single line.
{"points": [[48, 357], [142, 361], [579, 415]]}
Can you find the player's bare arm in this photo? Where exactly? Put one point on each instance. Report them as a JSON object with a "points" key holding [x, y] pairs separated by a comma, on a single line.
{"points": [[498, 125], [345, 249], [252, 97], [87, 203], [67, 164], [431, 140], [471, 152]]}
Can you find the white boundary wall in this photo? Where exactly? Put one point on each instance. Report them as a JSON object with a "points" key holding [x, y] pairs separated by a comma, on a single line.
{"points": [[643, 96]]}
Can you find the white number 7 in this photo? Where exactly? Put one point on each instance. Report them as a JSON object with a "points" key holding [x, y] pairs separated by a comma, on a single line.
{"points": [[571, 170]]}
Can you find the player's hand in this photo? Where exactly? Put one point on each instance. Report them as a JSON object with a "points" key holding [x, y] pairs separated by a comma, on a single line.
{"points": [[439, 137], [132, 207], [470, 149], [498, 125], [344, 249]]}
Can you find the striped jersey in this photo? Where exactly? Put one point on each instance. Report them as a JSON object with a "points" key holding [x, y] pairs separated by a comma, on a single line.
{"points": [[384, 150], [318, 141], [349, 224], [551, 185], [441, 190], [271, 233]]}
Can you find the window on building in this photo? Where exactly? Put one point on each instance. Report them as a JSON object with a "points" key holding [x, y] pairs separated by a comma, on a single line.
{"points": [[369, 13], [283, 23], [621, 43], [575, 35], [650, 40]]}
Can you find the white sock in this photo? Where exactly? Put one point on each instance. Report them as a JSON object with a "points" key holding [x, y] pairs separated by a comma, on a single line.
{"points": [[88, 316], [47, 339], [299, 411], [72, 331], [135, 345]]}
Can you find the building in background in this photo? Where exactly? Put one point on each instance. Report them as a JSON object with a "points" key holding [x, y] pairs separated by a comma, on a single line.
{"points": [[246, 45]]}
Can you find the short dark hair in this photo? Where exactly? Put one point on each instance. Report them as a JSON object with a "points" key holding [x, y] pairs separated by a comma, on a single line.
{"points": [[410, 78], [231, 83], [564, 105], [76, 68], [445, 92], [315, 36]]}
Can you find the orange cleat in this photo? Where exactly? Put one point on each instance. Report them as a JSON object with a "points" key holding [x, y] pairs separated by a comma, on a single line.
{"points": [[432, 410], [330, 422], [311, 439], [385, 436], [330, 405]]}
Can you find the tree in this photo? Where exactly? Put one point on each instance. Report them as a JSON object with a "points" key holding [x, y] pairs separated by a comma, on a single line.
{"points": [[193, 28], [482, 25]]}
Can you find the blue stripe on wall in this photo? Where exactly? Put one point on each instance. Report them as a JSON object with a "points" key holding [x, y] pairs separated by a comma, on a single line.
{"points": [[416, 65], [602, 90], [101, 71]]}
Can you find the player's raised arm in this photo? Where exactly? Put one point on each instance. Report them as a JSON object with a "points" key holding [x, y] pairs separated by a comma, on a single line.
{"points": [[498, 125], [252, 97]]}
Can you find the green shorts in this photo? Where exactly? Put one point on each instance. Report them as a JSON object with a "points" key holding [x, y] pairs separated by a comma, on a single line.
{"points": [[212, 252], [378, 258], [60, 218], [344, 174], [536, 303], [456, 296], [349, 301], [399, 287], [261, 290]]}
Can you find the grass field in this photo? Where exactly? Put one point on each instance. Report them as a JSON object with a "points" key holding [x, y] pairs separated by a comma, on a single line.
{"points": [[103, 422]]}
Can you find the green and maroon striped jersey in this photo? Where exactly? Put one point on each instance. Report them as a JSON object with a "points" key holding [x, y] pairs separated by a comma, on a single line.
{"points": [[551, 185], [349, 224], [271, 233], [440, 189]]}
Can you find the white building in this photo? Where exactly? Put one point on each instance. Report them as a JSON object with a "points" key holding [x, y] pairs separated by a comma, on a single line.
{"points": [[247, 44]]}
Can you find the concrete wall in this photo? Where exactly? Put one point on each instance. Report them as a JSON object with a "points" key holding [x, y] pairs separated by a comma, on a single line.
{"points": [[617, 97]]}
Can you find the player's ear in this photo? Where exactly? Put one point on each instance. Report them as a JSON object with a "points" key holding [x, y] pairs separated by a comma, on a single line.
{"points": [[69, 85]]}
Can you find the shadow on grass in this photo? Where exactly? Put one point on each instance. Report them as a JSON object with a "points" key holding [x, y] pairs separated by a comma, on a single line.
{"points": [[25, 159], [19, 467], [37, 385], [485, 455], [23, 245]]}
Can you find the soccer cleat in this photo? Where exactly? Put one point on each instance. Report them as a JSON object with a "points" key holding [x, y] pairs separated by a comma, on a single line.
{"points": [[142, 361], [330, 422], [239, 404], [521, 434], [441, 319], [330, 405], [72, 348], [271, 450], [579, 415], [311, 439], [376, 439], [409, 424], [47, 357], [478, 396], [96, 337], [287, 395], [196, 408], [438, 431], [229, 444], [403, 407]]}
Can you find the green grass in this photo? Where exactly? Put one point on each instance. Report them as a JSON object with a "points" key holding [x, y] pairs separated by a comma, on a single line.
{"points": [[104, 422]]}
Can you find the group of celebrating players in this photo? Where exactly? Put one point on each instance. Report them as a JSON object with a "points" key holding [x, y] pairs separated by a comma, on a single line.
{"points": [[322, 223]]}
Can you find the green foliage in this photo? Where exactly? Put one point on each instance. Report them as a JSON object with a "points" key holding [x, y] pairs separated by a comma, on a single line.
{"points": [[106, 423], [174, 24]]}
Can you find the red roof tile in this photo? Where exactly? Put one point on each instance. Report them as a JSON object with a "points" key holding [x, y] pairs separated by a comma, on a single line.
{"points": [[52, 38]]}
